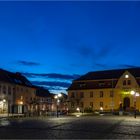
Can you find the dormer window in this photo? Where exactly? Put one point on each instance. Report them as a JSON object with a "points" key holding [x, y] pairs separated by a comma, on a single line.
{"points": [[101, 83]]}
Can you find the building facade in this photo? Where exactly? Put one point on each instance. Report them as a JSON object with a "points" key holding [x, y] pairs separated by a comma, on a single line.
{"points": [[108, 90], [43, 100], [16, 93]]}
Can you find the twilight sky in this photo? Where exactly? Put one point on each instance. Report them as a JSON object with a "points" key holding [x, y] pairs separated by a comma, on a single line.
{"points": [[53, 43]]}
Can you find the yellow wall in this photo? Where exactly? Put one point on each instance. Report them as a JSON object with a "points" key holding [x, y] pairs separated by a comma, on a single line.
{"points": [[24, 94], [120, 92]]}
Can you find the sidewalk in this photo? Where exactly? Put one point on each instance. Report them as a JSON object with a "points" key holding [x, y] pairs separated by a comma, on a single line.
{"points": [[10, 115]]}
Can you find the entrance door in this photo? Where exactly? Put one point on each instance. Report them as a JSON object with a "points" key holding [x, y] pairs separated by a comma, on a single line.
{"points": [[126, 103]]}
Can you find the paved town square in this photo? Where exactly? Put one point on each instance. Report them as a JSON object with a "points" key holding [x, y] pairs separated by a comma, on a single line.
{"points": [[71, 127]]}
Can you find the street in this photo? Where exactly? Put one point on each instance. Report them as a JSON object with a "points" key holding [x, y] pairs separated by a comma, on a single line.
{"points": [[71, 127]]}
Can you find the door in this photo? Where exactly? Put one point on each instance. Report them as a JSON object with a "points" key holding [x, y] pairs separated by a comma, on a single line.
{"points": [[126, 103]]}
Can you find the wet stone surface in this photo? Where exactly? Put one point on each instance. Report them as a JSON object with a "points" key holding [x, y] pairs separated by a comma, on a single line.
{"points": [[85, 127]]}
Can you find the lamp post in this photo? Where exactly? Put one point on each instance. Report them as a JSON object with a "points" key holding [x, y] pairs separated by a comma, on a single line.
{"points": [[57, 97], [136, 94]]}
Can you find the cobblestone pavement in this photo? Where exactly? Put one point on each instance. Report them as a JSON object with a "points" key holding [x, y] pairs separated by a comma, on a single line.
{"points": [[85, 127]]}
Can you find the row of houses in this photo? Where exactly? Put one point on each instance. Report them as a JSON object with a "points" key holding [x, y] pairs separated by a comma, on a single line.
{"points": [[18, 95], [107, 90]]}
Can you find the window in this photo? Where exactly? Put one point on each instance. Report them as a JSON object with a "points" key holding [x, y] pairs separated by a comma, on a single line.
{"points": [[72, 95], [72, 105], [101, 94], [101, 83], [124, 82], [27, 90], [17, 89], [13, 90], [111, 93], [129, 82], [91, 94], [9, 90], [82, 85], [82, 94], [82, 104], [91, 104], [21, 97], [101, 104], [21, 89], [77, 103], [4, 89]]}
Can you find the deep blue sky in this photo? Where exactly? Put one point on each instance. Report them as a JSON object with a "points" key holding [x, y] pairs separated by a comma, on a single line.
{"points": [[68, 38]]}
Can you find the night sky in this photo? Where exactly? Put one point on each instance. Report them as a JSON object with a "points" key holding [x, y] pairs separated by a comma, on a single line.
{"points": [[52, 43]]}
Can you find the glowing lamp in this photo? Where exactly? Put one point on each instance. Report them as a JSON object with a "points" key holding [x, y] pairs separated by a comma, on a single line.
{"points": [[59, 95], [132, 92], [101, 108], [55, 96], [77, 109], [137, 94], [4, 100], [126, 76]]}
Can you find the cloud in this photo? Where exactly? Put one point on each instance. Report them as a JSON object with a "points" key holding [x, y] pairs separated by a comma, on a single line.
{"points": [[52, 84], [101, 65], [127, 66], [52, 75], [51, 81], [94, 54], [85, 51], [28, 63]]}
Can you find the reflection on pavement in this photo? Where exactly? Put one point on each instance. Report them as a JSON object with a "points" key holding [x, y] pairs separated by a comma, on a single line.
{"points": [[4, 122]]}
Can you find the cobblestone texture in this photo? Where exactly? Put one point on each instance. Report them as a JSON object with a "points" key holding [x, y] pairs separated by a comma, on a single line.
{"points": [[85, 127]]}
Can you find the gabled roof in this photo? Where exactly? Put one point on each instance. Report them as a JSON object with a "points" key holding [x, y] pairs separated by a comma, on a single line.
{"points": [[14, 78], [109, 74], [102, 79], [42, 92]]}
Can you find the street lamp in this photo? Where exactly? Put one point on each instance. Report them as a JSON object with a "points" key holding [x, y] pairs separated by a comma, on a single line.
{"points": [[57, 102], [136, 94]]}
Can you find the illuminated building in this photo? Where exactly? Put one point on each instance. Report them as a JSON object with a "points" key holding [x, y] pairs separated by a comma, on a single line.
{"points": [[107, 90], [16, 93]]}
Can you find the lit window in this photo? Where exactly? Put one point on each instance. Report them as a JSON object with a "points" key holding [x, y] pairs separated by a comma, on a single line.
{"points": [[21, 97]]}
